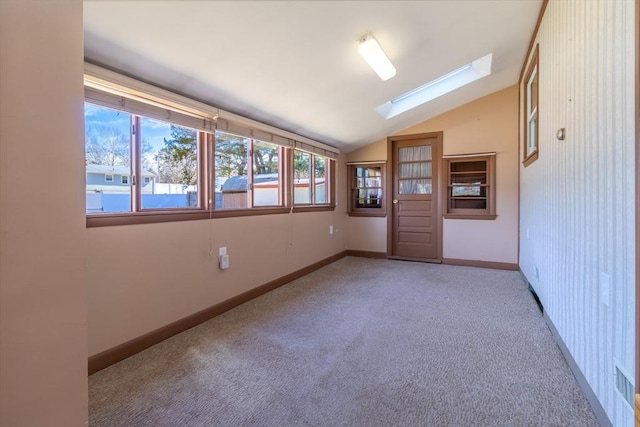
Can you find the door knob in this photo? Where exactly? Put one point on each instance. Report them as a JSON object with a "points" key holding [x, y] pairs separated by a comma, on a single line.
{"points": [[395, 201]]}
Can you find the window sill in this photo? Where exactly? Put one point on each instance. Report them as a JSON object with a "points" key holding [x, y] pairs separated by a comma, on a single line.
{"points": [[115, 219], [467, 216], [532, 158], [308, 208]]}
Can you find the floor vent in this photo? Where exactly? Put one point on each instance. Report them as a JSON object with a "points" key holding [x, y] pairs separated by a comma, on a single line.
{"points": [[624, 386], [535, 297]]}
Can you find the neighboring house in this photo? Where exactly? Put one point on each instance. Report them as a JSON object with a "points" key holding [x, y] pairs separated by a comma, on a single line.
{"points": [[115, 179]]}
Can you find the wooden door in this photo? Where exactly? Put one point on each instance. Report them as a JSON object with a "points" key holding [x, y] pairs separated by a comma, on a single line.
{"points": [[415, 230]]}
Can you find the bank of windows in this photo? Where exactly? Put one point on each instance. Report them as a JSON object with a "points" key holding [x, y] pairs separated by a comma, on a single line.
{"points": [[471, 187], [172, 162], [531, 84]]}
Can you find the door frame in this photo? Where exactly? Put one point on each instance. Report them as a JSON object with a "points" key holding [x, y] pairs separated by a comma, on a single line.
{"points": [[437, 190]]}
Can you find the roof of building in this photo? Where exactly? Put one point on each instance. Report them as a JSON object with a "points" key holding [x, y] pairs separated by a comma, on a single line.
{"points": [[239, 182]]}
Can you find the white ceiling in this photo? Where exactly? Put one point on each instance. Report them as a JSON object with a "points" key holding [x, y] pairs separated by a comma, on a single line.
{"points": [[294, 64]]}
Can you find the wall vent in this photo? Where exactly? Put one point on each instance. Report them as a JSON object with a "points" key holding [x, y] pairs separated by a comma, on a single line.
{"points": [[624, 386]]}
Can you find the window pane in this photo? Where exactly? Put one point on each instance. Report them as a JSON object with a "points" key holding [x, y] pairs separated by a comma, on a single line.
{"points": [[532, 89], [414, 154], [469, 204], [470, 178], [368, 177], [301, 177], [369, 198], [531, 141], [415, 170], [469, 191], [415, 186], [320, 193], [107, 159], [231, 156], [169, 161], [266, 181], [473, 166]]}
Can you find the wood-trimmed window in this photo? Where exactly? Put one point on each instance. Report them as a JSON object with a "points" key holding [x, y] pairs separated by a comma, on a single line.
{"points": [[531, 115], [312, 180], [367, 189], [471, 190]]}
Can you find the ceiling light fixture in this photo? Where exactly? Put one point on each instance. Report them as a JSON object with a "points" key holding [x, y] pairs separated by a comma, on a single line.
{"points": [[370, 50], [446, 83]]}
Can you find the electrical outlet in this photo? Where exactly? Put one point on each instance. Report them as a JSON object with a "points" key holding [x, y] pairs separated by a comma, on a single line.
{"points": [[222, 251], [224, 262]]}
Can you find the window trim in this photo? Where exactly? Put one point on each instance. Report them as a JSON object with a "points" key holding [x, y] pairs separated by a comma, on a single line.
{"points": [[124, 179], [352, 188], [106, 177], [534, 66], [483, 214]]}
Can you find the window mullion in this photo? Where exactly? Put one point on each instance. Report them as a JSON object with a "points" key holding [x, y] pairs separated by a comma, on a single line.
{"points": [[250, 171], [312, 179], [135, 164], [202, 165]]}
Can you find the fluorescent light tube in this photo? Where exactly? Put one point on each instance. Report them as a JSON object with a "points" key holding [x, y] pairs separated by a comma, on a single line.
{"points": [[371, 51]]}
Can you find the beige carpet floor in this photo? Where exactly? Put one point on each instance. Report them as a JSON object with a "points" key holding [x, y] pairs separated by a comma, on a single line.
{"points": [[360, 342]]}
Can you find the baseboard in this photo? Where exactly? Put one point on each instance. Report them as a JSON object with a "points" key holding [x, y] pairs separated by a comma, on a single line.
{"points": [[597, 408], [136, 345], [367, 254], [481, 264]]}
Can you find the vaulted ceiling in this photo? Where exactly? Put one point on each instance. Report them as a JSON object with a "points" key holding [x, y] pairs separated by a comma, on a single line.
{"points": [[295, 65]]}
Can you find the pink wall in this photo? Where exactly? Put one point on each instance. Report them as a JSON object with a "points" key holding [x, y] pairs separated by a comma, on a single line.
{"points": [[43, 330], [143, 277], [487, 124]]}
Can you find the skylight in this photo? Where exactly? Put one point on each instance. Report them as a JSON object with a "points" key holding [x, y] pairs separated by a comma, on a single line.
{"points": [[449, 82]]}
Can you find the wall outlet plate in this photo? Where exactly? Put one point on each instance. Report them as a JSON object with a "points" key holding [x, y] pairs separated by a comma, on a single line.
{"points": [[224, 262]]}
